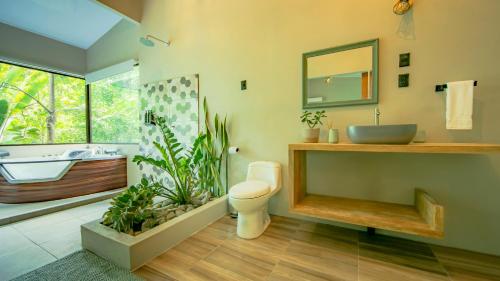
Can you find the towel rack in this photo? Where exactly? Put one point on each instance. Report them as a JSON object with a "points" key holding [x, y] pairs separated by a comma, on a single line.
{"points": [[442, 87]]}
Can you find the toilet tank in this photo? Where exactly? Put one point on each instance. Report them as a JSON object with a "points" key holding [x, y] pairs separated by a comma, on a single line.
{"points": [[265, 171]]}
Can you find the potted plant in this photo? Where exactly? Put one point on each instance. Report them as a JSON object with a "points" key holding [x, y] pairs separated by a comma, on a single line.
{"points": [[311, 134]]}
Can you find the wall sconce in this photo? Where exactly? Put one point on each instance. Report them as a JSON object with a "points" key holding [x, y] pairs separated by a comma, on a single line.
{"points": [[402, 7]]}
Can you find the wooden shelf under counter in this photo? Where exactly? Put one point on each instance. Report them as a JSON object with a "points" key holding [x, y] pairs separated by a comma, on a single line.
{"points": [[424, 218]]}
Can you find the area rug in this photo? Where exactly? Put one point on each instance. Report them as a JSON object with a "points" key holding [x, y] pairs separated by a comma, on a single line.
{"points": [[82, 265]]}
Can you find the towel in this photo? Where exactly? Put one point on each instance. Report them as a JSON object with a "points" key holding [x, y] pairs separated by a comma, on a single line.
{"points": [[459, 99]]}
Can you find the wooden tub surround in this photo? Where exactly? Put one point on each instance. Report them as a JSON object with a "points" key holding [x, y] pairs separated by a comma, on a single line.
{"points": [[84, 177], [424, 218]]}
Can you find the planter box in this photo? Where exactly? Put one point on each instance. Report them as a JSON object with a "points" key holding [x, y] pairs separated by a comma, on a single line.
{"points": [[131, 252]]}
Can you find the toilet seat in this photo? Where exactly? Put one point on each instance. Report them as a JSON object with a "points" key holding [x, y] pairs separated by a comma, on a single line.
{"points": [[249, 190]]}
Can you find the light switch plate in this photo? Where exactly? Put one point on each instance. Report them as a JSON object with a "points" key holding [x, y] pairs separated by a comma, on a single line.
{"points": [[404, 80], [243, 85], [404, 60]]}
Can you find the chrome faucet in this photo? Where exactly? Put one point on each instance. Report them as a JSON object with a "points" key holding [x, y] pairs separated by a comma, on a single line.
{"points": [[377, 116]]}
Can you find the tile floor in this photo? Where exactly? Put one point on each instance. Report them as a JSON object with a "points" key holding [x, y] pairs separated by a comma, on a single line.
{"points": [[10, 213], [289, 250], [29, 244], [297, 250]]}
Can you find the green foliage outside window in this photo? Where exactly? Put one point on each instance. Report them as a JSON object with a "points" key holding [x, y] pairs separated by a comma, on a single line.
{"points": [[38, 107], [115, 109]]}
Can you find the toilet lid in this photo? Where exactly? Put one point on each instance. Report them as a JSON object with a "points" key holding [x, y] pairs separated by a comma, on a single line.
{"points": [[249, 190]]}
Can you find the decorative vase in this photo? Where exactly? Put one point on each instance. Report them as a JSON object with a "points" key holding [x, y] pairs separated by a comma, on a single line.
{"points": [[311, 135], [333, 136]]}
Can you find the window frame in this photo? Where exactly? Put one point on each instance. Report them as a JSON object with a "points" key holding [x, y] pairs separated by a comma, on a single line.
{"points": [[88, 110]]}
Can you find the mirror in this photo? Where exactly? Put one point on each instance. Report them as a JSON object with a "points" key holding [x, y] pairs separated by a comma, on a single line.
{"points": [[340, 76]]}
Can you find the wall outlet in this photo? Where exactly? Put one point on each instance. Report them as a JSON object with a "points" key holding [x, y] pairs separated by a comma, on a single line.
{"points": [[404, 80], [404, 60], [243, 85]]}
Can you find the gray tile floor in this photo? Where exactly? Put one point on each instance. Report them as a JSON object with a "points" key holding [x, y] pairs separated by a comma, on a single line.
{"points": [[10, 213], [29, 244]]}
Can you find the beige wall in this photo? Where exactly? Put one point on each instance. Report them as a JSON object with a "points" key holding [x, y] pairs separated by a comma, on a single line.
{"points": [[119, 44], [262, 41], [26, 47]]}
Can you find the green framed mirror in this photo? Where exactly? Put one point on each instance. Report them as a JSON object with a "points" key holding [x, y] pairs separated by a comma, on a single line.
{"points": [[341, 76]]}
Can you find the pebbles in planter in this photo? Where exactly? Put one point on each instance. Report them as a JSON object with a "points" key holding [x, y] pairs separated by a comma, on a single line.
{"points": [[170, 215], [179, 212], [167, 210]]}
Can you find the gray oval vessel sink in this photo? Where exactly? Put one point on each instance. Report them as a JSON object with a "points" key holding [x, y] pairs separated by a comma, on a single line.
{"points": [[382, 134]]}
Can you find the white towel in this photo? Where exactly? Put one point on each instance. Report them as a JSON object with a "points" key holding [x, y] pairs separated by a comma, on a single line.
{"points": [[459, 101]]}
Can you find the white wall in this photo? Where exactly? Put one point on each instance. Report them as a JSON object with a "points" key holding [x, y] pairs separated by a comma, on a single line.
{"points": [[263, 41]]}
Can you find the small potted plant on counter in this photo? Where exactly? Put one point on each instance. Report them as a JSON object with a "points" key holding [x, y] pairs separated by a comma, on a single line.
{"points": [[311, 134]]}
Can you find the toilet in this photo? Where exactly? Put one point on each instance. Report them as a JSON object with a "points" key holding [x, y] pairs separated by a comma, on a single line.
{"points": [[250, 198]]}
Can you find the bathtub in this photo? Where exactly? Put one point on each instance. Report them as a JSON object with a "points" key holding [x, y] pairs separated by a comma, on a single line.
{"points": [[35, 179]]}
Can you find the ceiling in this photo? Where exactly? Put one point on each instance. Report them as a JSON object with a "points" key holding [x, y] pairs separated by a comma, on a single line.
{"points": [[79, 23]]}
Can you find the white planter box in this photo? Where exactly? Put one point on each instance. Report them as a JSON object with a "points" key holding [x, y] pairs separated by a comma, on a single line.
{"points": [[131, 252]]}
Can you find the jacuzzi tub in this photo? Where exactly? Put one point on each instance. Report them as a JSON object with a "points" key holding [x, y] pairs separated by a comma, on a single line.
{"points": [[34, 179]]}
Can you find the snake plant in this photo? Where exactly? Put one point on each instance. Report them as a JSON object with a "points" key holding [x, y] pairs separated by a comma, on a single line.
{"points": [[214, 150]]}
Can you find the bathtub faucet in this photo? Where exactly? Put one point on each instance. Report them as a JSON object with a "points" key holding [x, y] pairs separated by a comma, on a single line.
{"points": [[99, 150]]}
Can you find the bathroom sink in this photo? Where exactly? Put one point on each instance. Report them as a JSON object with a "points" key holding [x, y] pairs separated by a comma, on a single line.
{"points": [[382, 134]]}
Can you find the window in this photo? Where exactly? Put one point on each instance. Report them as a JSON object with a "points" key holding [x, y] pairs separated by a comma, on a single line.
{"points": [[40, 107], [114, 104]]}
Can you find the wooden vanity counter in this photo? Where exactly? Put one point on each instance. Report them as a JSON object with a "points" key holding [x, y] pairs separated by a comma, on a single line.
{"points": [[424, 218]]}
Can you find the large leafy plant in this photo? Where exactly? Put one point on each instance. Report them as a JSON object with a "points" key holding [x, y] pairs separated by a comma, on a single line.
{"points": [[195, 172], [182, 166], [132, 210]]}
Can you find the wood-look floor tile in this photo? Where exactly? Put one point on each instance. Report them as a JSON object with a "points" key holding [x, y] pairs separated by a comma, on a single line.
{"points": [[226, 224], [295, 250], [196, 246], [336, 243], [205, 271], [396, 244], [464, 265], [376, 270], [290, 223], [330, 230], [151, 274], [402, 256], [173, 263], [280, 232], [269, 243], [213, 236], [319, 262], [248, 263], [285, 271]]}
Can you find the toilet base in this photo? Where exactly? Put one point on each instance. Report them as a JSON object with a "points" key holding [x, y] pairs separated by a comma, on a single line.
{"points": [[252, 225]]}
